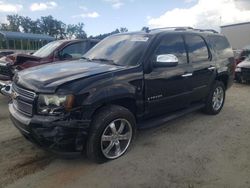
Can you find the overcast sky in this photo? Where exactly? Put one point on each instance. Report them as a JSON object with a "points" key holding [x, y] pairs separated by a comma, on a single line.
{"points": [[102, 16]]}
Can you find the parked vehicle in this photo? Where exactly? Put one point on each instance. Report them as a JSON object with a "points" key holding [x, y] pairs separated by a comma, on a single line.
{"points": [[242, 55], [6, 52], [242, 71], [55, 51], [126, 82]]}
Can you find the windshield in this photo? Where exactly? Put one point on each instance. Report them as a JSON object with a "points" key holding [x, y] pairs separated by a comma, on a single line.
{"points": [[47, 49], [123, 50]]}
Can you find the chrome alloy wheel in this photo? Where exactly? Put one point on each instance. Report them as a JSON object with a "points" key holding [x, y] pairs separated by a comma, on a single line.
{"points": [[218, 98], [116, 138]]}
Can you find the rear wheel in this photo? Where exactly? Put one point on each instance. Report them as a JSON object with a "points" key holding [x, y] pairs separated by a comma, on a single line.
{"points": [[215, 99], [111, 134]]}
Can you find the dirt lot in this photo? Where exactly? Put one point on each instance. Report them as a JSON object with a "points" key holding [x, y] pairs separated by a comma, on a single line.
{"points": [[193, 151]]}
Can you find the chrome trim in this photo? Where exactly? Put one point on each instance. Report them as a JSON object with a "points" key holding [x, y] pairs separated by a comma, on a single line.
{"points": [[187, 75]]}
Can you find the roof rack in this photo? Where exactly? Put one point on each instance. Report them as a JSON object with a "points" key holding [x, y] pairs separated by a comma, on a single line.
{"points": [[206, 30], [183, 29], [175, 28]]}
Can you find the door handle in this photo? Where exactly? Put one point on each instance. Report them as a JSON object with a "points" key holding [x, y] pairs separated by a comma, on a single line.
{"points": [[187, 75], [211, 68]]}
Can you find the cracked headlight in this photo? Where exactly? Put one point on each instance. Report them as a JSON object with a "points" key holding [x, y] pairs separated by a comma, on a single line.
{"points": [[54, 104]]}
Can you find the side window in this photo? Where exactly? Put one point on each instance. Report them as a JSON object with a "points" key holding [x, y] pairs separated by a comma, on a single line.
{"points": [[173, 44], [74, 51], [221, 46], [197, 48]]}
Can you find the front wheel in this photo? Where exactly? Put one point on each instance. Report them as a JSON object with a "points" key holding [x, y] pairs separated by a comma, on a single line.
{"points": [[215, 99], [111, 134]]}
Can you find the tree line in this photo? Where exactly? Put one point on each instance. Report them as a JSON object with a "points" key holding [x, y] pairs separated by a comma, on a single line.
{"points": [[50, 26]]}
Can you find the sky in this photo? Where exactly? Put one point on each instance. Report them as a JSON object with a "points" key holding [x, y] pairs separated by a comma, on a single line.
{"points": [[103, 16]]}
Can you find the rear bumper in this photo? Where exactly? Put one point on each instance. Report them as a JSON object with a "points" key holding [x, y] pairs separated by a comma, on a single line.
{"points": [[52, 133]]}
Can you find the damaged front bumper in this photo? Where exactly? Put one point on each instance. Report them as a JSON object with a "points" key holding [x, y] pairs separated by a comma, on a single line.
{"points": [[52, 133]]}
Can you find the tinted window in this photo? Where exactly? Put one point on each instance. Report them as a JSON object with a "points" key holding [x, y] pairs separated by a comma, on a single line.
{"points": [[74, 50], [197, 48], [173, 44], [124, 50], [220, 45]]}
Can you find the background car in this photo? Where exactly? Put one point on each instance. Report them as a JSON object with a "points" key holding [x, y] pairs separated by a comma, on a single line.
{"points": [[242, 71], [242, 55], [6, 52], [54, 51]]}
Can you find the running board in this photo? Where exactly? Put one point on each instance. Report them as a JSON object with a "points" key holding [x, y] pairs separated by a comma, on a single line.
{"points": [[163, 119]]}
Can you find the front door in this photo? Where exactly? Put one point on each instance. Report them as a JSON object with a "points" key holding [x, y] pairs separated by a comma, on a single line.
{"points": [[168, 88]]}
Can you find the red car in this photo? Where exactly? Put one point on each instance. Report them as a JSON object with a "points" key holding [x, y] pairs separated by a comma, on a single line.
{"points": [[243, 54], [55, 51]]}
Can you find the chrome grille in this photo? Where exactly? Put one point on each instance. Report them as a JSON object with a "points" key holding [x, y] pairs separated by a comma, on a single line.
{"points": [[4, 70], [245, 70], [23, 100]]}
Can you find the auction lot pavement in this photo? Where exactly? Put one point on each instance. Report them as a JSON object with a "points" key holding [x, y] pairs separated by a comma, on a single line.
{"points": [[196, 150]]}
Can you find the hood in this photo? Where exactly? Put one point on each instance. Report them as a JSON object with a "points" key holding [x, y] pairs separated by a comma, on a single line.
{"points": [[17, 59], [244, 64], [47, 78]]}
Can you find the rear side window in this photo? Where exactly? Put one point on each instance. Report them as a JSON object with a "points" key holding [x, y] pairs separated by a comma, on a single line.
{"points": [[220, 45], [172, 44], [197, 48]]}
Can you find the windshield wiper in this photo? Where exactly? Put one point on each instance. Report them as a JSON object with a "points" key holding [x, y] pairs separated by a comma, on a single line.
{"points": [[102, 59], [105, 60], [86, 58]]}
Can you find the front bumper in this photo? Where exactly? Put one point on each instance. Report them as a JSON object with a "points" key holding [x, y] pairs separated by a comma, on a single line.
{"points": [[52, 133], [242, 75]]}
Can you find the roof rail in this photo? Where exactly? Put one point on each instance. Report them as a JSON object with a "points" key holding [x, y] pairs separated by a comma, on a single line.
{"points": [[206, 30], [175, 28], [183, 29]]}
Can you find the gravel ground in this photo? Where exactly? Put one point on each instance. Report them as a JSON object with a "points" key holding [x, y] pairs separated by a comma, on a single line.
{"points": [[196, 150]]}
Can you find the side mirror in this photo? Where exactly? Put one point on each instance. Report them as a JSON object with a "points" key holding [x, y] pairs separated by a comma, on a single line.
{"points": [[166, 60]]}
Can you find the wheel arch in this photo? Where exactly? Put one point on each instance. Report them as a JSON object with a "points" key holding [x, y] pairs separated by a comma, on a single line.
{"points": [[224, 78], [126, 102]]}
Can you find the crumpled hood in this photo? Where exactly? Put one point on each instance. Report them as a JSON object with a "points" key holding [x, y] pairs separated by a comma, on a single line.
{"points": [[46, 78], [17, 59], [244, 64]]}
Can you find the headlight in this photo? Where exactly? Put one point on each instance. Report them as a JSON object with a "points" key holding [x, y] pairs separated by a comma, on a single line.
{"points": [[238, 69], [54, 104]]}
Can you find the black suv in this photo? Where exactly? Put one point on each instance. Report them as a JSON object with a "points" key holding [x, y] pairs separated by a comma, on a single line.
{"points": [[126, 82]]}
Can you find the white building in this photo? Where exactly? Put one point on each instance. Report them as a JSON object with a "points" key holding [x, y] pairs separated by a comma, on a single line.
{"points": [[237, 34]]}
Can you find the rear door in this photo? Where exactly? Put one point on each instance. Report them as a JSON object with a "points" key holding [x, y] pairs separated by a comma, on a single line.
{"points": [[168, 88], [204, 70]]}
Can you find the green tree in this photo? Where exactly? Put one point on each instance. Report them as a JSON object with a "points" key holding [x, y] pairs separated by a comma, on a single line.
{"points": [[123, 30], [145, 29], [14, 22], [76, 31], [102, 36]]}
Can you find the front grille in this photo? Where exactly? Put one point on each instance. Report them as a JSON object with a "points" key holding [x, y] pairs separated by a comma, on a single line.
{"points": [[245, 73], [245, 70], [6, 71], [23, 100]]}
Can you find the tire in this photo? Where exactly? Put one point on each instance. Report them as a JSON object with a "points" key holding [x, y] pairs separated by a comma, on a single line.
{"points": [[210, 107], [106, 133]]}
